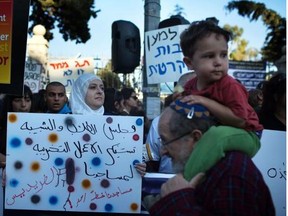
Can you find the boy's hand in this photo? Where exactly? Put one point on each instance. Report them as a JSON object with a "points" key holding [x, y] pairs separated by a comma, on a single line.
{"points": [[194, 99]]}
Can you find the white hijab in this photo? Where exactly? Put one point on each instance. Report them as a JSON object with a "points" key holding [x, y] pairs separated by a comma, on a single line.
{"points": [[78, 94]]}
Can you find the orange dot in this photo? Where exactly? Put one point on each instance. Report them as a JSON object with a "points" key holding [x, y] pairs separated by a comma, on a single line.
{"points": [[53, 137], [134, 206], [35, 166], [12, 118], [86, 183]]}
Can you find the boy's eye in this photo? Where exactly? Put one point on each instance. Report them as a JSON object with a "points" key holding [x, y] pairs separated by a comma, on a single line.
{"points": [[208, 56]]}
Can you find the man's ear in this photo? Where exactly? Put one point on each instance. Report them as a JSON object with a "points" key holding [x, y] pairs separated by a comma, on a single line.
{"points": [[196, 134], [188, 63]]}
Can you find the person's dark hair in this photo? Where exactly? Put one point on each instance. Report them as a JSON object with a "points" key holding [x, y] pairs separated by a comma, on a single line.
{"points": [[273, 90], [39, 104], [9, 98], [197, 31], [109, 100], [127, 92], [118, 97], [7, 104], [55, 83]]}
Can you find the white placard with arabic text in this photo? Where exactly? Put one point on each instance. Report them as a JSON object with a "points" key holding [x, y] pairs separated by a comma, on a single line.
{"points": [[73, 162]]}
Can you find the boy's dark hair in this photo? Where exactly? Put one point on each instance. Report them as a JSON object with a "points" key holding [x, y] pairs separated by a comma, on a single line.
{"points": [[198, 30]]}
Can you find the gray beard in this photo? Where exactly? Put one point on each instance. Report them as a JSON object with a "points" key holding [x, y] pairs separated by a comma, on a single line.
{"points": [[178, 166]]}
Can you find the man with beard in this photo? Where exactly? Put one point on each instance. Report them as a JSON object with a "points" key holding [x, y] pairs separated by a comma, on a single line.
{"points": [[233, 186], [56, 98]]}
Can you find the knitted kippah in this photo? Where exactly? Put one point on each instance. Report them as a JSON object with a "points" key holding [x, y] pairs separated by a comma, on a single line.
{"points": [[190, 110]]}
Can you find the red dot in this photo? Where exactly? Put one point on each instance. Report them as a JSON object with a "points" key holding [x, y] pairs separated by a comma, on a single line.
{"points": [[135, 137], [93, 206], [71, 189], [105, 183]]}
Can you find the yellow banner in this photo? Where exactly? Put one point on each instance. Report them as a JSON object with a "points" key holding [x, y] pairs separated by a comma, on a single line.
{"points": [[6, 20]]}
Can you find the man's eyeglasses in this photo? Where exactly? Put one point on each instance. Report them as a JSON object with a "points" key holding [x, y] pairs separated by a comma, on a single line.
{"points": [[173, 140], [135, 97]]}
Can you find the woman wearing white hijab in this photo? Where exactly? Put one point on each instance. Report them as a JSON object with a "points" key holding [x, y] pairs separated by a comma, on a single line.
{"points": [[87, 95]]}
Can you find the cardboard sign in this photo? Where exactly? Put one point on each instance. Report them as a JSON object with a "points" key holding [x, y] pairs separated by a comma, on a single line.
{"points": [[164, 58], [73, 163]]}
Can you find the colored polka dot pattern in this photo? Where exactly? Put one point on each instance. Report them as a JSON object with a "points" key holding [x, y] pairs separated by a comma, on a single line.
{"points": [[15, 143], [59, 161], [35, 166], [139, 122], [64, 148], [53, 138], [12, 118], [29, 141], [136, 137], [96, 161], [134, 206], [105, 183], [53, 200], [86, 183], [109, 120]]}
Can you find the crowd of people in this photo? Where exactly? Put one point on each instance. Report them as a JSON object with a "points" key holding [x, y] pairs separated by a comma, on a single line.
{"points": [[210, 126]]}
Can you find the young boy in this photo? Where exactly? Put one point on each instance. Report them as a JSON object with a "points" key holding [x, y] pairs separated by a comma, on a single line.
{"points": [[205, 49]]}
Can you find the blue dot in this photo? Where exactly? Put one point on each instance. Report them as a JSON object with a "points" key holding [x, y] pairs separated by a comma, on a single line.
{"points": [[53, 200], [59, 161], [13, 183], [15, 142], [136, 162], [139, 122], [96, 161], [108, 207]]}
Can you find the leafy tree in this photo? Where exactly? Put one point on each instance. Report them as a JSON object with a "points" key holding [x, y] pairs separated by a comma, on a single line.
{"points": [[109, 78], [276, 26], [239, 50], [70, 16]]}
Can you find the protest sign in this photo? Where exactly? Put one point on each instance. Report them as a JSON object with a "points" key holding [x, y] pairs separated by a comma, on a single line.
{"points": [[32, 75], [164, 58], [249, 73], [68, 70], [271, 160], [80, 163], [13, 41]]}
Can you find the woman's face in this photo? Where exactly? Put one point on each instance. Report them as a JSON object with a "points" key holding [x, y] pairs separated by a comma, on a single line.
{"points": [[95, 94], [22, 104], [132, 101]]}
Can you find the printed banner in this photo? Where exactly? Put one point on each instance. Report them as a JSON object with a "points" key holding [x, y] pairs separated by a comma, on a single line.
{"points": [[164, 58], [250, 74], [73, 162], [6, 21]]}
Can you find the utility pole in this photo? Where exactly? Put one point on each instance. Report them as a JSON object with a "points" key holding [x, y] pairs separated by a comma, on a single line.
{"points": [[151, 92]]}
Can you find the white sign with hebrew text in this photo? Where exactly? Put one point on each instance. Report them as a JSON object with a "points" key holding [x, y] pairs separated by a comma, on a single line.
{"points": [[164, 58]]}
